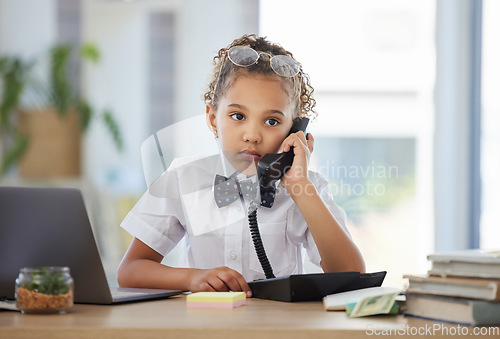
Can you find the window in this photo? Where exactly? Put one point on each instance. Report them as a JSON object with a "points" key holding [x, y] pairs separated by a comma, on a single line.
{"points": [[372, 66]]}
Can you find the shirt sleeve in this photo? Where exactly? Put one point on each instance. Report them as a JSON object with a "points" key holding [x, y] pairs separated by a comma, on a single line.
{"points": [[157, 218], [301, 232]]}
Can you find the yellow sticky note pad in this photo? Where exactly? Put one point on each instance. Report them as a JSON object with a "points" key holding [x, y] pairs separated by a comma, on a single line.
{"points": [[216, 299]]}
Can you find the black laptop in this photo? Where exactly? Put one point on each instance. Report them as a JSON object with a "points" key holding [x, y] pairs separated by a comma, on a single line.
{"points": [[50, 227]]}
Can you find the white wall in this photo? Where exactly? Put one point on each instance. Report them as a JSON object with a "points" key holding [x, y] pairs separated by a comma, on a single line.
{"points": [[205, 27], [118, 82], [27, 33]]}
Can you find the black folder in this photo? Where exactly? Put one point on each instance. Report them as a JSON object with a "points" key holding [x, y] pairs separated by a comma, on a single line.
{"points": [[312, 287]]}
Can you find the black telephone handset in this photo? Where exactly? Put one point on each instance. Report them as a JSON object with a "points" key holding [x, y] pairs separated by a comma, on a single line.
{"points": [[272, 166], [269, 170]]}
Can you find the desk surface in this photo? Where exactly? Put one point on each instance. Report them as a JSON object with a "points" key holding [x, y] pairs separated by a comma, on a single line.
{"points": [[170, 318]]}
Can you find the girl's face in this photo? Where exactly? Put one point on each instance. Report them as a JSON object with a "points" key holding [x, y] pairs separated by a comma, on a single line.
{"points": [[252, 119]]}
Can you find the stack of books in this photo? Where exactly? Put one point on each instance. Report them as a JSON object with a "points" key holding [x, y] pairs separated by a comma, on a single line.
{"points": [[461, 287]]}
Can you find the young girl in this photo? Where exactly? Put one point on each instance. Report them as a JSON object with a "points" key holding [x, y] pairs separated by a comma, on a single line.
{"points": [[256, 92]]}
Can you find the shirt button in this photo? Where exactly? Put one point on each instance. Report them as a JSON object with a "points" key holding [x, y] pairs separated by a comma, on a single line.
{"points": [[234, 256]]}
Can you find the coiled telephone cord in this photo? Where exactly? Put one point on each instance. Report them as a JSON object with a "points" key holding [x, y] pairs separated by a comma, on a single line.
{"points": [[257, 242]]}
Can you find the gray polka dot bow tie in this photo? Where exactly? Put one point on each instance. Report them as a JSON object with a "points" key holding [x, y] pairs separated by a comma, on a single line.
{"points": [[228, 190]]}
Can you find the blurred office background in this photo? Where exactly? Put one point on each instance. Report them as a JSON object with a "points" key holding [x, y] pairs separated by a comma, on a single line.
{"points": [[406, 90]]}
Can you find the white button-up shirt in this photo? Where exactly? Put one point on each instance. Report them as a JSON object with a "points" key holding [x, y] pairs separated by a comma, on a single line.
{"points": [[181, 204]]}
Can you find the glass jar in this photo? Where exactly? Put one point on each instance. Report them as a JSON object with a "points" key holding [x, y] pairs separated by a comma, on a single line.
{"points": [[44, 290]]}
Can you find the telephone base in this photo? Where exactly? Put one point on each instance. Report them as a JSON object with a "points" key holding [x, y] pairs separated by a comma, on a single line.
{"points": [[312, 287]]}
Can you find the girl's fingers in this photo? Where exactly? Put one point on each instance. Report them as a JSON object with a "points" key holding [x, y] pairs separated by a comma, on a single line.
{"points": [[218, 284], [295, 140], [237, 283], [310, 142], [225, 279]]}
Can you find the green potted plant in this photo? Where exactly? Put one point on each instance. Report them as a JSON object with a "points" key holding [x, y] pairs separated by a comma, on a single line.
{"points": [[14, 74], [45, 140]]}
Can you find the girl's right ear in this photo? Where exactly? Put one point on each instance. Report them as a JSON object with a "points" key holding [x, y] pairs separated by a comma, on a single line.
{"points": [[211, 121]]}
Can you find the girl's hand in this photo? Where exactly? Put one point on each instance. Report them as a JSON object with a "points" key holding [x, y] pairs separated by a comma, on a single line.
{"points": [[220, 279], [302, 149]]}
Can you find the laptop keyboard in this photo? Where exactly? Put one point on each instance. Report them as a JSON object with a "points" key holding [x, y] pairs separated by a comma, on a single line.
{"points": [[119, 294]]}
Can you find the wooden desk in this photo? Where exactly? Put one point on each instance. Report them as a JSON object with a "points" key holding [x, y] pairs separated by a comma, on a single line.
{"points": [[171, 319]]}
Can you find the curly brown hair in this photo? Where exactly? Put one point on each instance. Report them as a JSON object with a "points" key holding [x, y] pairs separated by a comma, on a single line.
{"points": [[225, 73]]}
